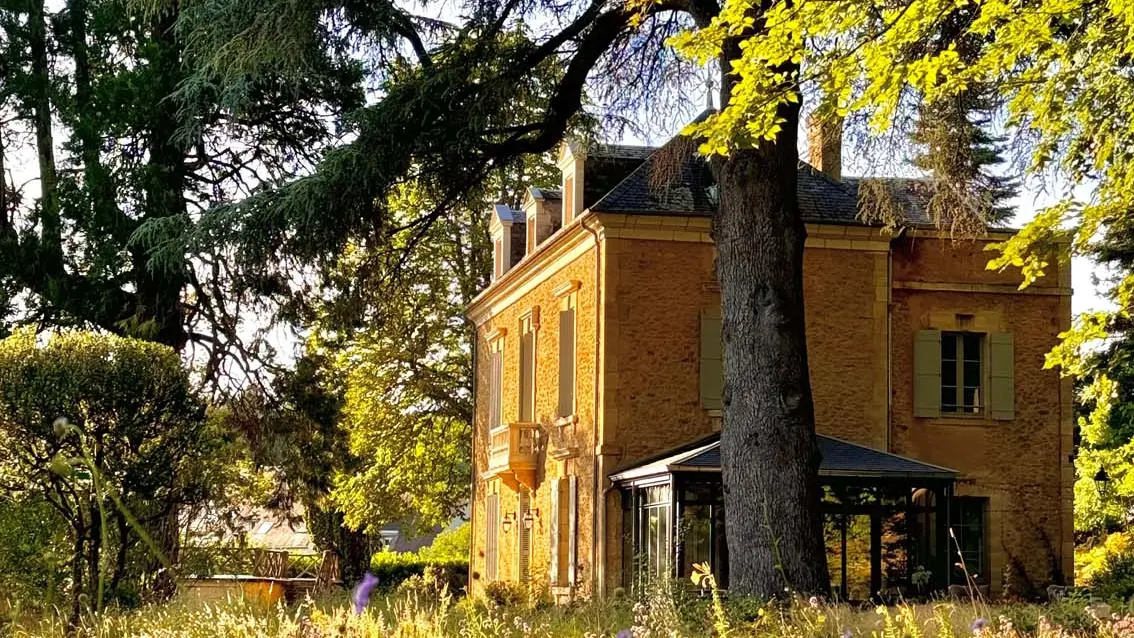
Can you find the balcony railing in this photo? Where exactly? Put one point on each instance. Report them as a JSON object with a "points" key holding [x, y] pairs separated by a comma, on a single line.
{"points": [[512, 453]]}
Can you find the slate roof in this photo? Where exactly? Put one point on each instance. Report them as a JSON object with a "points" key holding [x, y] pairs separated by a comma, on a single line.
{"points": [[620, 179], [693, 192], [546, 193], [840, 458]]}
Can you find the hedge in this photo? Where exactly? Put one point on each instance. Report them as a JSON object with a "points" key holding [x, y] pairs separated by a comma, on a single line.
{"points": [[392, 568]]}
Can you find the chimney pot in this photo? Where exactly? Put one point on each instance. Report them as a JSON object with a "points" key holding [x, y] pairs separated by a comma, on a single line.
{"points": [[825, 145]]}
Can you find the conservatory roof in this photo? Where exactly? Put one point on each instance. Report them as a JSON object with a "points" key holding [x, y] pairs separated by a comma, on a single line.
{"points": [[840, 459]]}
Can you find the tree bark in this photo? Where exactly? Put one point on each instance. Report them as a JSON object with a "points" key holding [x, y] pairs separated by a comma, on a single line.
{"points": [[77, 574], [770, 456], [159, 290]]}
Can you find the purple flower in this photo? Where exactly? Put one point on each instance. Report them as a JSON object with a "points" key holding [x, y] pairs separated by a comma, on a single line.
{"points": [[361, 594], [979, 625], [847, 633], [625, 633]]}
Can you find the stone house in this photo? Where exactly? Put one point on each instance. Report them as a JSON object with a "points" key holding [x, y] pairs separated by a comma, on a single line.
{"points": [[598, 389]]}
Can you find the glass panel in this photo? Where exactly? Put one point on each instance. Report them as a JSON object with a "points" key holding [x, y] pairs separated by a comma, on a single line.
{"points": [[972, 347], [972, 399], [949, 347], [972, 373], [833, 539], [949, 398], [895, 550], [657, 495], [968, 522], [948, 371], [858, 556], [696, 536]]}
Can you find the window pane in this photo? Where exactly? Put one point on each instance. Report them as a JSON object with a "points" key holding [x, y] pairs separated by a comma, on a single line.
{"points": [[948, 372], [949, 347], [948, 399], [972, 398], [972, 347], [972, 373]]}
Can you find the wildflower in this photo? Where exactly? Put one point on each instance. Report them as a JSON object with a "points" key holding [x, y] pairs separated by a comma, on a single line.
{"points": [[625, 633], [361, 594], [814, 602], [847, 633], [979, 625]]}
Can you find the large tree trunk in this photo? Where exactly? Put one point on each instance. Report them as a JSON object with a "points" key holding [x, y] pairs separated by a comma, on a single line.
{"points": [[159, 290], [770, 456]]}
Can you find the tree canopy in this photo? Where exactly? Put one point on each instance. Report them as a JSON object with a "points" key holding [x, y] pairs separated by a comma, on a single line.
{"points": [[109, 432]]}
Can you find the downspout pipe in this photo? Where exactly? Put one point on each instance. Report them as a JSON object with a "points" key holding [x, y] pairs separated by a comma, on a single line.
{"points": [[598, 509]]}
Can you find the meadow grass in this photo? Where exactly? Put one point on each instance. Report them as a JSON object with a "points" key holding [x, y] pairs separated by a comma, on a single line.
{"points": [[423, 614]]}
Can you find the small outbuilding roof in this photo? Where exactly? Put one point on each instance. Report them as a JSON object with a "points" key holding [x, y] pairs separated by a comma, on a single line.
{"points": [[840, 459]]}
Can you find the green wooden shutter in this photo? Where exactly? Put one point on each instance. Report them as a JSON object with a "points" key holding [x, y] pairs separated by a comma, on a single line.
{"points": [[927, 373], [573, 529], [556, 496], [527, 385], [495, 418], [712, 360], [1001, 376], [492, 505], [524, 546], [567, 362]]}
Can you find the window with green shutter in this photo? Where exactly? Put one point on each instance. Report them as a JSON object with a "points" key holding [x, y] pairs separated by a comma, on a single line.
{"points": [[964, 373], [712, 361]]}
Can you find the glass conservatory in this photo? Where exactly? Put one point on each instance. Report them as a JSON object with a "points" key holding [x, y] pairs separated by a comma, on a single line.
{"points": [[886, 519]]}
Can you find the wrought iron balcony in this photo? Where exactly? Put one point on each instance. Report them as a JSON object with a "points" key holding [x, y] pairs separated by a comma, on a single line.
{"points": [[512, 451]]}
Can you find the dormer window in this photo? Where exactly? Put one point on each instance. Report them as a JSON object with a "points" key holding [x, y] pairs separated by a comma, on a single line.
{"points": [[507, 229], [542, 208]]}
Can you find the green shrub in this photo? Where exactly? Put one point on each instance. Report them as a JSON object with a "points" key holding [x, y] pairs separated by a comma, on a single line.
{"points": [[450, 546], [504, 594], [1108, 568], [392, 568]]}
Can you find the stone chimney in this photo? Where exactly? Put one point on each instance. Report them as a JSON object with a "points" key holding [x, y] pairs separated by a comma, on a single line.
{"points": [[572, 159], [825, 145]]}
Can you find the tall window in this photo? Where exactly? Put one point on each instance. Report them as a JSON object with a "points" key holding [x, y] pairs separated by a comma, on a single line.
{"points": [[496, 382], [656, 533], [567, 310], [962, 372], [967, 522], [527, 367]]}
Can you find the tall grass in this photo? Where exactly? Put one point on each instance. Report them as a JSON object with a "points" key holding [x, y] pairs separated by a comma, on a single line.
{"points": [[424, 614]]}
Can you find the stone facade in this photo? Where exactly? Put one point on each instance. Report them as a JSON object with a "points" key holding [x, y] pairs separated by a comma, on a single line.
{"points": [[643, 283]]}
